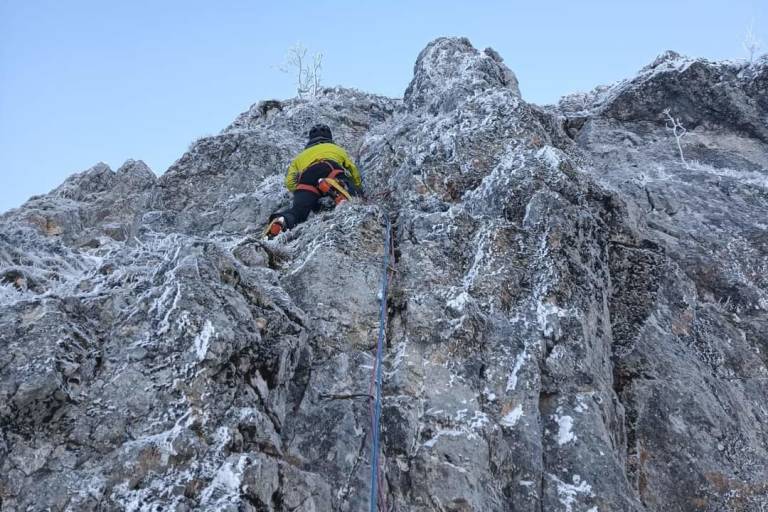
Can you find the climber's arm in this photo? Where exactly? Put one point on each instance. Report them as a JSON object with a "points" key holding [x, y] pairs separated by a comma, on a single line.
{"points": [[352, 168], [291, 178]]}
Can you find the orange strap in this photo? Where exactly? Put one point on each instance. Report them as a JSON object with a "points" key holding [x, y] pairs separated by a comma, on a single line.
{"points": [[334, 172], [329, 164], [308, 188]]}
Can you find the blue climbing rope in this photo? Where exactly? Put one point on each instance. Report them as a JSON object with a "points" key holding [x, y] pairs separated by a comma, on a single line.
{"points": [[376, 413]]}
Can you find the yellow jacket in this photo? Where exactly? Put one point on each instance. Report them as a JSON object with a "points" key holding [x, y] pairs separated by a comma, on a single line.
{"points": [[322, 151]]}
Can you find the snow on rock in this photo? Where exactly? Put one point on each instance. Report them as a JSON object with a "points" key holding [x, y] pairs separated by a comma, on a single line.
{"points": [[561, 281], [511, 418], [202, 339], [512, 379], [450, 69], [573, 493], [225, 486], [564, 433]]}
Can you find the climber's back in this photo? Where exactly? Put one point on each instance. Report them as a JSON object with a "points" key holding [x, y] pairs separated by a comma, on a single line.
{"points": [[320, 147]]}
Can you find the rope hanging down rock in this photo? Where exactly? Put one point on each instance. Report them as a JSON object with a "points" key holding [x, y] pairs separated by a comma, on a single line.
{"points": [[376, 371]]}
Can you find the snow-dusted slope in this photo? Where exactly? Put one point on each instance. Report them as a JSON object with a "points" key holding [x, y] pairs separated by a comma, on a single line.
{"points": [[577, 320]]}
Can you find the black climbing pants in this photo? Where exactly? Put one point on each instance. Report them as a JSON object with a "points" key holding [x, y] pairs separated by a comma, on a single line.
{"points": [[305, 201]]}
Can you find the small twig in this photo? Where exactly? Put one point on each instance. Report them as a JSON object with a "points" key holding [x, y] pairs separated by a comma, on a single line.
{"points": [[678, 130], [751, 43]]}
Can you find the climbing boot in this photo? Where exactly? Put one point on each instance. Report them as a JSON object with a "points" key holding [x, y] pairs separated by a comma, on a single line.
{"points": [[274, 228]]}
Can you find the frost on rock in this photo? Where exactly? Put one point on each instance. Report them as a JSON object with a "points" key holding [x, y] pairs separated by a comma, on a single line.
{"points": [[570, 494], [449, 70], [564, 433], [560, 282], [699, 92], [511, 418], [512, 379], [202, 340]]}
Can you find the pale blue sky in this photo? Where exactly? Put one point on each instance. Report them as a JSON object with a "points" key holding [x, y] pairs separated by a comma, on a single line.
{"points": [[88, 81]]}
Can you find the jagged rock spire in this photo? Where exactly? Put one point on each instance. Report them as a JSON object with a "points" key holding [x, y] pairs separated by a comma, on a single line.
{"points": [[450, 70]]}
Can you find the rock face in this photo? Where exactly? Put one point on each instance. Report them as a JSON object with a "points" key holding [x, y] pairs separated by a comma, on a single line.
{"points": [[578, 319]]}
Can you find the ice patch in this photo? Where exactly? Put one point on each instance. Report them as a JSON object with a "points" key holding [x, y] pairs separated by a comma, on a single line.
{"points": [[482, 241], [466, 426], [164, 440], [512, 379], [489, 395], [568, 493], [225, 486], [397, 360], [299, 267], [580, 405], [512, 417], [459, 302], [165, 323], [564, 433], [222, 437], [754, 178], [550, 156], [478, 420], [544, 312], [451, 433], [202, 340]]}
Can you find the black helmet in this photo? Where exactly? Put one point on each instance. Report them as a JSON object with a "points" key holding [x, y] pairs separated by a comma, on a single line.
{"points": [[320, 133]]}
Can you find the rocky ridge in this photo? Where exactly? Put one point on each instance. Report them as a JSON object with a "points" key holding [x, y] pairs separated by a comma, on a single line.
{"points": [[578, 319]]}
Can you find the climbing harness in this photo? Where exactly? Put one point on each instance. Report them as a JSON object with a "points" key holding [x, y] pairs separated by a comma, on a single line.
{"points": [[377, 494], [334, 186], [331, 187], [308, 188]]}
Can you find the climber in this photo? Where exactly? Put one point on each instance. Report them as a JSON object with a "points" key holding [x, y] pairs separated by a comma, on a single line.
{"points": [[322, 169]]}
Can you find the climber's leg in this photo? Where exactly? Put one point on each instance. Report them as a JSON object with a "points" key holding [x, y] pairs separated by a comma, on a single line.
{"points": [[306, 196], [304, 201]]}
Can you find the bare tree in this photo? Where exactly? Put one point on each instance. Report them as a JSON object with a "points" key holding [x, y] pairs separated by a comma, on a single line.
{"points": [[316, 74], [307, 74], [678, 130], [751, 42]]}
